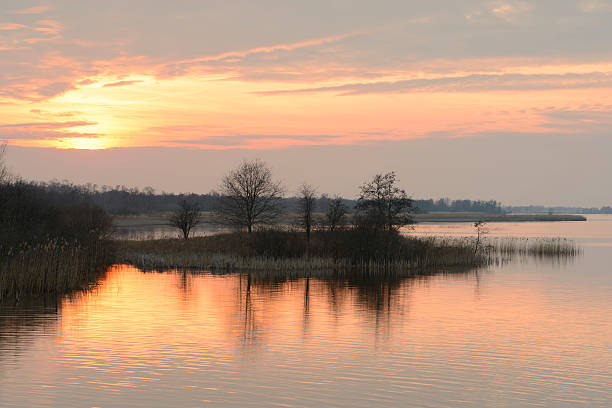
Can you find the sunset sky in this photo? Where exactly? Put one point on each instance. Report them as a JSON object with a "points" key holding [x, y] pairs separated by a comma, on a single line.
{"points": [[506, 100]]}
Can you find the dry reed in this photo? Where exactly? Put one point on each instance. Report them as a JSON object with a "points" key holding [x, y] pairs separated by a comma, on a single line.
{"points": [[54, 267]]}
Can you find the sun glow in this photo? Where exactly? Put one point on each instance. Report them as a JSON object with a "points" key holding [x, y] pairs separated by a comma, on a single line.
{"points": [[83, 143], [203, 110]]}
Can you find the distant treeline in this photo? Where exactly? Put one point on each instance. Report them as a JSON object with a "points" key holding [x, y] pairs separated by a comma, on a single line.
{"points": [[122, 200], [539, 209], [447, 205]]}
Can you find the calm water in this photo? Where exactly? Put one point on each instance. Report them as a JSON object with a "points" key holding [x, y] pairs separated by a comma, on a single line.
{"points": [[530, 333]]}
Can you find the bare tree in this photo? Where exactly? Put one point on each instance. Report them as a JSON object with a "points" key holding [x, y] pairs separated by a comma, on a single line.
{"points": [[249, 196], [4, 174], [336, 213], [382, 204], [307, 201], [187, 216]]}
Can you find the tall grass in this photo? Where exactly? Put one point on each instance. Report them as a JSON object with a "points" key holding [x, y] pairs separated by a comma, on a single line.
{"points": [[538, 247], [55, 267], [338, 251], [288, 250]]}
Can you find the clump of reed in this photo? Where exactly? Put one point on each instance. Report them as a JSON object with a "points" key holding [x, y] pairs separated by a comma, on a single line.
{"points": [[54, 267], [538, 247]]}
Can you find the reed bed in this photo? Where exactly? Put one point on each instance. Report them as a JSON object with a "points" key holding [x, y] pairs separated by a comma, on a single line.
{"points": [[538, 247], [223, 262], [55, 267], [286, 251]]}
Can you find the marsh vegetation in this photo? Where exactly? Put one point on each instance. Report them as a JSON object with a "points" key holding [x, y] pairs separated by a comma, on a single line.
{"points": [[54, 243], [49, 248], [290, 249], [339, 250]]}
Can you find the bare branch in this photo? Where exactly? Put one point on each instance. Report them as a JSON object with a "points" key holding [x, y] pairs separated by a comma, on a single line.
{"points": [[249, 196], [382, 204], [187, 216], [336, 213], [307, 201]]}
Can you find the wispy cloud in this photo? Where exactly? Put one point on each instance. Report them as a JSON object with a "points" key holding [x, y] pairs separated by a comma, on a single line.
{"points": [[49, 27], [596, 119], [594, 6], [121, 83], [246, 141], [11, 26], [510, 11], [275, 47], [43, 130], [181, 66], [47, 125], [510, 56], [33, 10], [467, 83]]}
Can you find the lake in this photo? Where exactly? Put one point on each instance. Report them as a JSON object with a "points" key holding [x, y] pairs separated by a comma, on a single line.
{"points": [[532, 332]]}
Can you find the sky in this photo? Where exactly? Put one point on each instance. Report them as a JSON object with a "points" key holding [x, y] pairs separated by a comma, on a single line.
{"points": [[506, 100]]}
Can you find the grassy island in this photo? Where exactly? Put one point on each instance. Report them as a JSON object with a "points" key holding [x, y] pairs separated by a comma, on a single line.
{"points": [[274, 249]]}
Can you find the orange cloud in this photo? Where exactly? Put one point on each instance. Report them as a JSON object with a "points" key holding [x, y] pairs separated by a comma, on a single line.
{"points": [[228, 101], [273, 48], [50, 27], [32, 10], [11, 26], [121, 83]]}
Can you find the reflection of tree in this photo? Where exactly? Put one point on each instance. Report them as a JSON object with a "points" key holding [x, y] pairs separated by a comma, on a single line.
{"points": [[249, 324], [381, 296], [377, 296], [306, 305], [185, 285]]}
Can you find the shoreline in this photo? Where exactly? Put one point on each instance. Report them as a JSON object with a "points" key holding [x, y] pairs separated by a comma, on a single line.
{"points": [[473, 217], [160, 219]]}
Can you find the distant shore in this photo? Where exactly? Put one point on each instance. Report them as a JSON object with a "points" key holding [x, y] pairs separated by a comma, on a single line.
{"points": [[160, 219], [472, 217]]}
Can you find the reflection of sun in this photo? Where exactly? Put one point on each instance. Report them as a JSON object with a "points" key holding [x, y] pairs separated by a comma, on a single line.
{"points": [[83, 143]]}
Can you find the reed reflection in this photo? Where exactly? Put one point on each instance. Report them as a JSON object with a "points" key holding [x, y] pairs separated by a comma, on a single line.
{"points": [[247, 309], [21, 320]]}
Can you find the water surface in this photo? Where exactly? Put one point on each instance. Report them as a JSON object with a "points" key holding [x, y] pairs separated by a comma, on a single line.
{"points": [[528, 333]]}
